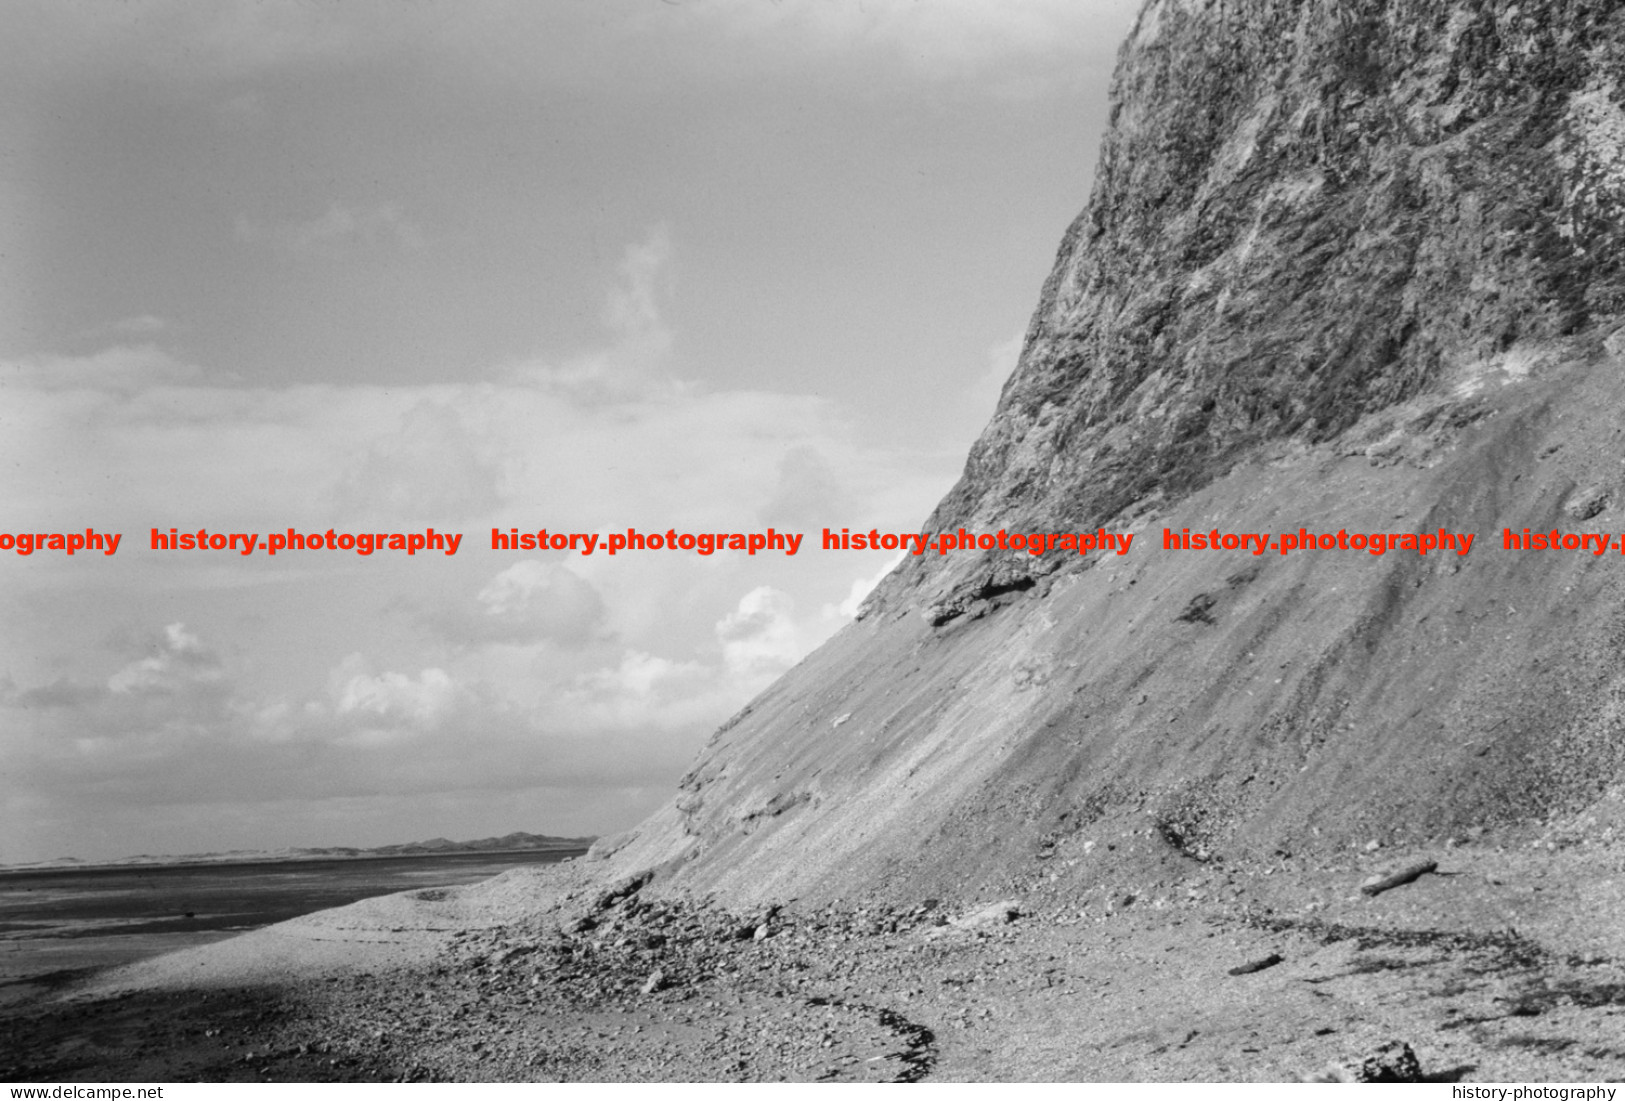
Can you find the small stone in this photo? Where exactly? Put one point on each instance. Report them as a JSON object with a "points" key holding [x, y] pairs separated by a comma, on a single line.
{"points": [[656, 981], [1586, 502], [1392, 1062], [999, 913], [1380, 883], [1256, 965]]}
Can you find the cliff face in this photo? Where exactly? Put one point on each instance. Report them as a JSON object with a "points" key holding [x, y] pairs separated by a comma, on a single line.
{"points": [[1346, 265], [1306, 212]]}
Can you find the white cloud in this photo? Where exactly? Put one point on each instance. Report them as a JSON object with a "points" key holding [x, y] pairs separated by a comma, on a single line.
{"points": [[660, 697], [531, 600], [860, 590], [417, 699], [180, 663], [632, 310], [759, 636], [501, 669], [428, 459], [634, 367], [644, 675]]}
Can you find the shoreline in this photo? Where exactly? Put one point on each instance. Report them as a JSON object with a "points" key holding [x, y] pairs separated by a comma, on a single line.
{"points": [[571, 852], [74, 920], [543, 975]]}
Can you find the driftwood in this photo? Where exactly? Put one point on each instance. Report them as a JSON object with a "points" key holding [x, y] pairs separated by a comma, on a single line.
{"points": [[1380, 883]]}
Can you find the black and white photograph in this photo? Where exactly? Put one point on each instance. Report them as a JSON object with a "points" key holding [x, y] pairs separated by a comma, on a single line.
{"points": [[782, 541]]}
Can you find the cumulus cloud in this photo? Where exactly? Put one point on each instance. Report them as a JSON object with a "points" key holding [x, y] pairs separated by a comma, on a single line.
{"points": [[181, 663], [672, 700], [644, 676], [760, 634], [183, 726], [502, 671], [633, 308], [542, 598], [131, 434], [634, 367], [428, 461], [417, 699], [530, 601], [860, 590]]}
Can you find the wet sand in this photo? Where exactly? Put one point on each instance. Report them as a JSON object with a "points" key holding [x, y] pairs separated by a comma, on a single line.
{"points": [[59, 925]]}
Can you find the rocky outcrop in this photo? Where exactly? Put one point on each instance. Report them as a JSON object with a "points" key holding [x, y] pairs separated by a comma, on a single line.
{"points": [[1346, 265], [1304, 213]]}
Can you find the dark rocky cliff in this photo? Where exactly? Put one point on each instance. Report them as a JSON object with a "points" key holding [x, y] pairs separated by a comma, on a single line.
{"points": [[1306, 212], [1346, 265]]}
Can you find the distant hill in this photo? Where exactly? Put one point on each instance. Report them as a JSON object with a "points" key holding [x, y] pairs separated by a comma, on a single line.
{"points": [[510, 842], [439, 846]]}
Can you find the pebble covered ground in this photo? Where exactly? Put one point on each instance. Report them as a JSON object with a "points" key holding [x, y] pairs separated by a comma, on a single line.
{"points": [[1502, 965]]}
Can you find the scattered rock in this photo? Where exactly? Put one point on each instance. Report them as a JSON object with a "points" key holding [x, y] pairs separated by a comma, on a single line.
{"points": [[623, 890], [1380, 883], [1586, 502], [1257, 965], [999, 913], [1199, 610], [656, 981], [1392, 1062]]}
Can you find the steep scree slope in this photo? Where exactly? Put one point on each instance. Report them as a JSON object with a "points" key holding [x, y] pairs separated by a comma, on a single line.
{"points": [[1345, 265]]}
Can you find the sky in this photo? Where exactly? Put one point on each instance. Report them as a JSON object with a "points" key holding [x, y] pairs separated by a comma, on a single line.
{"points": [[381, 267]]}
